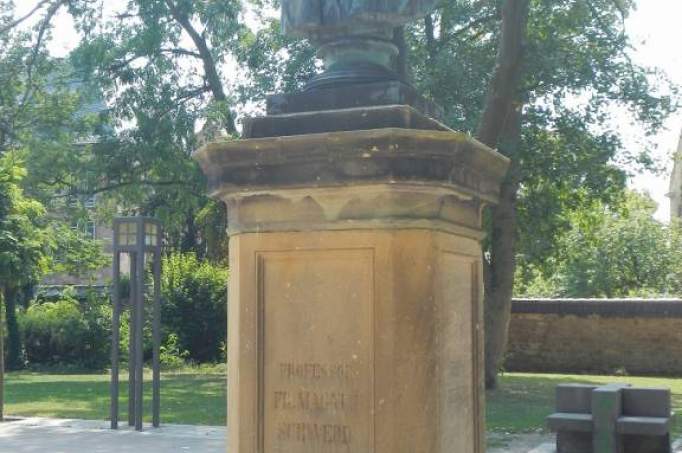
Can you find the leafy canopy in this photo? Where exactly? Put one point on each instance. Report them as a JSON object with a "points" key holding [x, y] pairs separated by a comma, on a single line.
{"points": [[616, 250]]}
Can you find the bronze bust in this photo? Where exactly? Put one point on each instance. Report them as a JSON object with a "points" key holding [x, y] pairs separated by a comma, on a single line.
{"points": [[354, 36]]}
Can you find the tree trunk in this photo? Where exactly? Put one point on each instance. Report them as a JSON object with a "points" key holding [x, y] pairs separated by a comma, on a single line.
{"points": [[13, 336], [504, 86], [402, 66], [501, 125], [429, 31], [500, 269], [189, 243]]}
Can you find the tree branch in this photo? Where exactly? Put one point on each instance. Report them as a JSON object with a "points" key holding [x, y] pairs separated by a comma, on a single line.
{"points": [[174, 51], [20, 20], [180, 51], [472, 24], [76, 192], [42, 29], [210, 69], [621, 9], [182, 99]]}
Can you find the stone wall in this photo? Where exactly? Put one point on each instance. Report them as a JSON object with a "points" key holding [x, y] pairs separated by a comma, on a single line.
{"points": [[601, 336]]}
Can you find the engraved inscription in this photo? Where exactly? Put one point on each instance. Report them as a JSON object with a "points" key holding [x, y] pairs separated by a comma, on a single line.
{"points": [[319, 401], [314, 433], [317, 389], [293, 370]]}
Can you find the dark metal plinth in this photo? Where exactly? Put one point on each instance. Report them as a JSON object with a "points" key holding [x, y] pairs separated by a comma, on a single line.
{"points": [[353, 95]]}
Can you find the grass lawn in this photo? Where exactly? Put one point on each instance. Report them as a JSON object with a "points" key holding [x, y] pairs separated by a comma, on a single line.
{"points": [[197, 396], [524, 400], [188, 396]]}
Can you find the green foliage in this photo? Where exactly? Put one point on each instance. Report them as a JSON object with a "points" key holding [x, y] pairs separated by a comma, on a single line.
{"points": [[576, 71], [162, 88], [75, 254], [616, 250], [170, 356], [194, 305], [65, 332], [46, 125], [24, 239], [30, 243]]}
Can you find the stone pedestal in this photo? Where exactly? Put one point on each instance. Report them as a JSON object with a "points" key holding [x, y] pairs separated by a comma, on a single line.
{"points": [[355, 318]]}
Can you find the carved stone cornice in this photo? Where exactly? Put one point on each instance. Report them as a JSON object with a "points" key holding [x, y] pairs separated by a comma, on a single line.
{"points": [[433, 158]]}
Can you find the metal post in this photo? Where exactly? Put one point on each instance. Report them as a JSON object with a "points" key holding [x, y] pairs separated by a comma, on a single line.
{"points": [[132, 296], [156, 332], [139, 325], [115, 333], [140, 238]]}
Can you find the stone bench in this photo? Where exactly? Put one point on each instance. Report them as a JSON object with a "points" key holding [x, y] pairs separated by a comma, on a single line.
{"points": [[612, 418]]}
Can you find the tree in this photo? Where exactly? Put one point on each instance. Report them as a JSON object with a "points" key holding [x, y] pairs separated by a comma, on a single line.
{"points": [[563, 154], [537, 80], [544, 101], [616, 250], [169, 68], [42, 120], [160, 66], [500, 124], [24, 247]]}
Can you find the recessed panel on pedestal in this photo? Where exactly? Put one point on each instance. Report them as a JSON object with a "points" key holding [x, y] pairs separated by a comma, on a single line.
{"points": [[458, 352], [316, 336]]}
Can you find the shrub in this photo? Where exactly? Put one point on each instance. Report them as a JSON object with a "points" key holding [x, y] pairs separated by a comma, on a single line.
{"points": [[67, 333], [170, 356], [194, 305]]}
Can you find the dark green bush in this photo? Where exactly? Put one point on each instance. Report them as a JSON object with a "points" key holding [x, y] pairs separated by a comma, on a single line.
{"points": [[195, 306], [67, 333]]}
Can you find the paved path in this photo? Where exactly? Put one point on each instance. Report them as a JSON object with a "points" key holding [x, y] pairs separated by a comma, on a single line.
{"points": [[534, 443], [43, 435], [520, 443]]}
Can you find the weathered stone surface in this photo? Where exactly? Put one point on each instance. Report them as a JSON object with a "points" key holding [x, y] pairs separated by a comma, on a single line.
{"points": [[356, 340], [386, 206], [355, 315], [438, 158]]}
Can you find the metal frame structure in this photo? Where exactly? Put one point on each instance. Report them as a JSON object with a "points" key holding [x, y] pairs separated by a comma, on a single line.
{"points": [[140, 238]]}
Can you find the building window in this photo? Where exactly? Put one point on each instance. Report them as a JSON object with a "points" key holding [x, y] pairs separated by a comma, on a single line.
{"points": [[86, 228], [89, 201]]}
